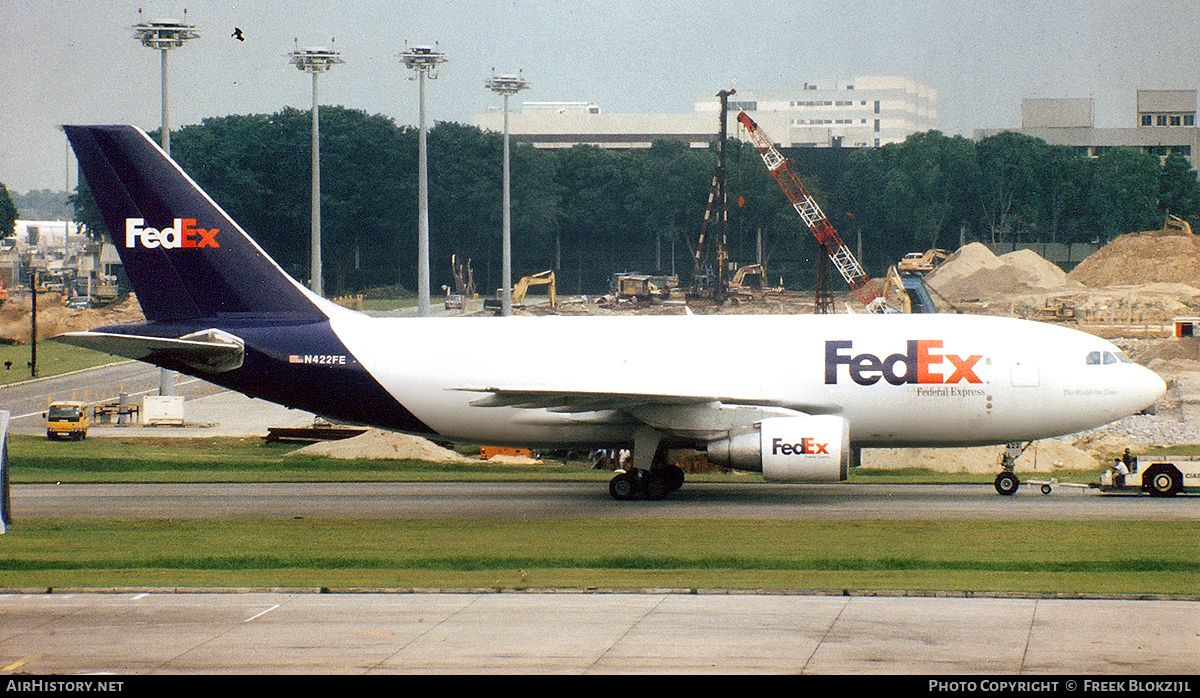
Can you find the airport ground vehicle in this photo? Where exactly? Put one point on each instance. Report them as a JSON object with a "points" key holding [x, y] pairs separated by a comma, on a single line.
{"points": [[1157, 476], [68, 419]]}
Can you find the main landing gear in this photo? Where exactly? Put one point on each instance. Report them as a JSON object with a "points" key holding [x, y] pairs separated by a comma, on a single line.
{"points": [[1006, 482], [651, 476]]}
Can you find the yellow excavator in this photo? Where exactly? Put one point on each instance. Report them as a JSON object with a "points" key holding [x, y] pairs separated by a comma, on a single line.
{"points": [[545, 278]]}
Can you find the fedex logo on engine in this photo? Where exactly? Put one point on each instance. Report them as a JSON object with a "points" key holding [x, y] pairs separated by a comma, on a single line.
{"points": [[921, 363], [183, 234], [806, 446]]}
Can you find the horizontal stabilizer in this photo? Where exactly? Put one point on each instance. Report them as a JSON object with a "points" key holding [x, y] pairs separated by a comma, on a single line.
{"points": [[210, 351]]}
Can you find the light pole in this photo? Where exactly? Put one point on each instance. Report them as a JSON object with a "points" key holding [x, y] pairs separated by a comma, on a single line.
{"points": [[315, 60], [506, 85], [164, 35], [423, 60]]}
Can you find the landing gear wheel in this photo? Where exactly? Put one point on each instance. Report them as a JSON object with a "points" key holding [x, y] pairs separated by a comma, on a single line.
{"points": [[1164, 484], [623, 487], [675, 477], [1007, 483], [657, 486], [672, 475], [1046, 489]]}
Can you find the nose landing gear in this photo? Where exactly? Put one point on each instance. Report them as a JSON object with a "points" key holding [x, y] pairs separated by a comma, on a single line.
{"points": [[1006, 482]]}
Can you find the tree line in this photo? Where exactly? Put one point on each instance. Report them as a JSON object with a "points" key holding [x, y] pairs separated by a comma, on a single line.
{"points": [[588, 212]]}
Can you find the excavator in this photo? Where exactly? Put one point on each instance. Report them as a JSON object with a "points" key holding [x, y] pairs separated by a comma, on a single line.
{"points": [[922, 262], [906, 292], [545, 278]]}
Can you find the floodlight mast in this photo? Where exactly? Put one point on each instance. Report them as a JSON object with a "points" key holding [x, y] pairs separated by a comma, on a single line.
{"points": [[424, 60], [506, 85], [315, 60], [163, 35]]}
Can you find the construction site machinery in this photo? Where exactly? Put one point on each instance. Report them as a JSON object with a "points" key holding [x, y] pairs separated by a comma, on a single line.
{"points": [[708, 269], [922, 262], [464, 277], [795, 191], [748, 281], [1177, 226], [640, 288], [906, 292], [1057, 310], [545, 278]]}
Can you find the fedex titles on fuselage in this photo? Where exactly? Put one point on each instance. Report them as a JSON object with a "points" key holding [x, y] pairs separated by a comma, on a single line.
{"points": [[920, 364], [183, 234]]}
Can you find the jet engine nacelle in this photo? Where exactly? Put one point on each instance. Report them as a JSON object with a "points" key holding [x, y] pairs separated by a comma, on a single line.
{"points": [[788, 449]]}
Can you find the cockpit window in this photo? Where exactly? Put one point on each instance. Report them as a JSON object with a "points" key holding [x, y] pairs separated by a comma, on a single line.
{"points": [[1095, 358]]}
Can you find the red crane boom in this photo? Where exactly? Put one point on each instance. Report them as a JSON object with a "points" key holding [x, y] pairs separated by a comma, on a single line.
{"points": [[862, 285]]}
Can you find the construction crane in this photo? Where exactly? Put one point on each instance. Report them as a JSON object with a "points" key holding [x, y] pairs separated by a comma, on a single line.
{"points": [[841, 256], [708, 281]]}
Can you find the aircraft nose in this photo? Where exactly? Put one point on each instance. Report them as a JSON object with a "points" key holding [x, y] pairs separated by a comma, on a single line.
{"points": [[1149, 387]]}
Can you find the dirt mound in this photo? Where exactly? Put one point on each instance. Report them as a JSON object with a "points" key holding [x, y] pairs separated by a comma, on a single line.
{"points": [[1043, 456], [375, 444], [974, 272], [1176, 348], [54, 317], [1142, 258], [1105, 447]]}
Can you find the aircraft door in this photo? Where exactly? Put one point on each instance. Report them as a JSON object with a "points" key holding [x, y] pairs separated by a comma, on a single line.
{"points": [[1025, 371]]}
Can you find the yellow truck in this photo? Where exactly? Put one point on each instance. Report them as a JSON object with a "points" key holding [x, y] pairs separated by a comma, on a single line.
{"points": [[67, 419]]}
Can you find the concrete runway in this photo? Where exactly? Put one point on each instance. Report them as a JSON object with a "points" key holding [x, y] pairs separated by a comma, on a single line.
{"points": [[583, 500], [574, 633]]}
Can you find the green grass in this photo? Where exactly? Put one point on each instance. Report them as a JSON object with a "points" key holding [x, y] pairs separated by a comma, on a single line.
{"points": [[1128, 557], [821, 555], [164, 459], [54, 358]]}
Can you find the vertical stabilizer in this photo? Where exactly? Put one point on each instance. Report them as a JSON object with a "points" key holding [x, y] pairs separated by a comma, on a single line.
{"points": [[185, 257]]}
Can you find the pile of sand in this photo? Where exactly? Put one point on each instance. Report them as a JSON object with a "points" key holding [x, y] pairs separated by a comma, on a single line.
{"points": [[1042, 457], [1172, 356], [375, 444], [1104, 447], [974, 272], [1142, 258], [54, 317]]}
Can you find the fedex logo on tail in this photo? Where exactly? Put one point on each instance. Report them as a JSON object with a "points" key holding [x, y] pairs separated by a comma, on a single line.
{"points": [[183, 234], [921, 363]]}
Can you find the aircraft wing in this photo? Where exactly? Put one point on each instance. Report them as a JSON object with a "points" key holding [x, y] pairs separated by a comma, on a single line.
{"points": [[557, 400], [210, 351], [692, 415]]}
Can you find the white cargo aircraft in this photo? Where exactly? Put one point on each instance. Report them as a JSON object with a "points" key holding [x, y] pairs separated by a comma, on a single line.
{"points": [[795, 398]]}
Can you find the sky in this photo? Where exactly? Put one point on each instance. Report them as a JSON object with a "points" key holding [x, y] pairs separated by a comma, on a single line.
{"points": [[76, 61]]}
